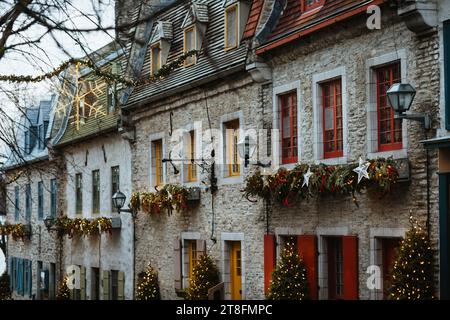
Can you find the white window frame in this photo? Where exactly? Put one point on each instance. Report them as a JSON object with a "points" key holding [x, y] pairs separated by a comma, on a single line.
{"points": [[322, 261], [154, 137], [226, 278], [224, 178], [186, 236], [371, 104], [276, 133], [318, 144], [375, 258], [159, 45], [185, 50]]}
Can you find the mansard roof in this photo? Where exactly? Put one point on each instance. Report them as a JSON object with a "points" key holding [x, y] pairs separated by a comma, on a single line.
{"points": [[162, 30], [289, 22], [210, 63]]}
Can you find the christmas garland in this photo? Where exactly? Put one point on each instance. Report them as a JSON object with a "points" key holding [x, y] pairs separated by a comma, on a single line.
{"points": [[170, 197], [305, 181], [164, 71], [17, 231], [83, 227]]}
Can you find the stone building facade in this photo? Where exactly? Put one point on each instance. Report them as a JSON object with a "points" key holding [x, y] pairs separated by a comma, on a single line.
{"points": [[223, 221], [32, 179]]}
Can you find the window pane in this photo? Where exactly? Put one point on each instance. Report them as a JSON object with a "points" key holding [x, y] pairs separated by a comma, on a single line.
{"points": [[189, 44], [53, 197], [232, 139], [156, 59], [289, 133], [79, 194], [96, 191], [231, 25], [157, 168]]}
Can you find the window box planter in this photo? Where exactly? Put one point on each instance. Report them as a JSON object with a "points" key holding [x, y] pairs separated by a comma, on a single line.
{"points": [[194, 194], [404, 169], [116, 223]]}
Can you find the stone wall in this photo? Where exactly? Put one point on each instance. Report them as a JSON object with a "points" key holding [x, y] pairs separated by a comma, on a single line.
{"points": [[348, 45], [43, 245], [108, 251]]}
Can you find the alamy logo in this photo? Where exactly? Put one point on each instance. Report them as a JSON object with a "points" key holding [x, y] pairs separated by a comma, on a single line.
{"points": [[73, 277], [374, 280], [374, 20]]}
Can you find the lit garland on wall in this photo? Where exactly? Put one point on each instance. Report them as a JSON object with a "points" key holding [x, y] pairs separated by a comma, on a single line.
{"points": [[168, 198], [83, 227], [16, 231], [163, 72], [304, 181]]}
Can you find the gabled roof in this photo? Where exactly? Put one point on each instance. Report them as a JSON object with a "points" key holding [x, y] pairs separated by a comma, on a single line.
{"points": [[198, 12], [162, 30], [293, 23]]}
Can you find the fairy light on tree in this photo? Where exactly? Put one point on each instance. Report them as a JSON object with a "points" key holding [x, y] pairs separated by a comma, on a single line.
{"points": [[148, 286], [205, 275], [412, 277], [289, 281]]}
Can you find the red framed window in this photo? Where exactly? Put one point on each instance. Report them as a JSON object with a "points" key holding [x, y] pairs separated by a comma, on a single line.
{"points": [[332, 118], [389, 129], [311, 4], [289, 129]]}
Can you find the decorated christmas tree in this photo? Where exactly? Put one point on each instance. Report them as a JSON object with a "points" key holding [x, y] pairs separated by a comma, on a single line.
{"points": [[63, 291], [205, 275], [289, 280], [5, 292], [148, 286], [412, 275]]}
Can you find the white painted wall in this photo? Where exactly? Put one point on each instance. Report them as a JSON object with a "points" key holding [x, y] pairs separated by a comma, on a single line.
{"points": [[108, 252]]}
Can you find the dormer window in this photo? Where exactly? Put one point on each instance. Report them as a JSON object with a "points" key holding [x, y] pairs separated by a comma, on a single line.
{"points": [[235, 19], [160, 45], [194, 29], [308, 5], [156, 58], [189, 45], [111, 97], [231, 27]]}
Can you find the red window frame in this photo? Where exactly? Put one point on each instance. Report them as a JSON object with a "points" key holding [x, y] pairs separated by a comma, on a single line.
{"points": [[388, 127], [306, 7], [333, 141], [289, 145]]}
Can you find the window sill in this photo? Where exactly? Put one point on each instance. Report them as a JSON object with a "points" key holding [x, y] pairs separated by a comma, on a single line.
{"points": [[226, 49], [396, 154], [332, 161]]}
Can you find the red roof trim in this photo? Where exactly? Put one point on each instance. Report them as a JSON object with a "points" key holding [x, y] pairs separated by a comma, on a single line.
{"points": [[310, 29], [253, 18]]}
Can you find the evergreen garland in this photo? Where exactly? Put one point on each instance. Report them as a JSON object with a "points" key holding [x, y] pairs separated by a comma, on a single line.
{"points": [[148, 286], [289, 281], [412, 276], [205, 275], [5, 292]]}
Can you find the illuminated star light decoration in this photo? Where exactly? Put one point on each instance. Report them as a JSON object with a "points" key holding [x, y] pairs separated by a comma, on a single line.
{"points": [[306, 177], [361, 170], [81, 95]]}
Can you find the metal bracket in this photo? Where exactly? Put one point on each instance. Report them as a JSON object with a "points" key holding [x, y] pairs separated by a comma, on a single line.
{"points": [[420, 117]]}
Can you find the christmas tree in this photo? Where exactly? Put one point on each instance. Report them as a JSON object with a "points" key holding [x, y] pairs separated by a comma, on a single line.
{"points": [[412, 275], [205, 275], [63, 291], [5, 292], [148, 286], [289, 280]]}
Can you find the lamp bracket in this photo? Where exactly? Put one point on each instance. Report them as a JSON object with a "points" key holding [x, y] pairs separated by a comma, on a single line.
{"points": [[423, 118]]}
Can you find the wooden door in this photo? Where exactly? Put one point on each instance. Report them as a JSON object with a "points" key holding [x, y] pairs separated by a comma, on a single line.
{"points": [[236, 270]]}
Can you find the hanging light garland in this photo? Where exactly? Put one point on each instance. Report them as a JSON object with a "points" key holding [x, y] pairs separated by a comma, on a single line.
{"points": [[305, 181], [163, 72], [16, 231], [83, 227]]}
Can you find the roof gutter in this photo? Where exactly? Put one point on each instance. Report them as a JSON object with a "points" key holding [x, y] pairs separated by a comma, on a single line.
{"points": [[320, 25], [20, 165]]}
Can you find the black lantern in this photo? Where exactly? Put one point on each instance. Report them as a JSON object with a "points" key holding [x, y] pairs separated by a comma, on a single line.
{"points": [[246, 148], [118, 200], [401, 96], [49, 222]]}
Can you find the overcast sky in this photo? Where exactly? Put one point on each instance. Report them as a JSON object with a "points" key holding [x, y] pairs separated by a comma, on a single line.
{"points": [[54, 56]]}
